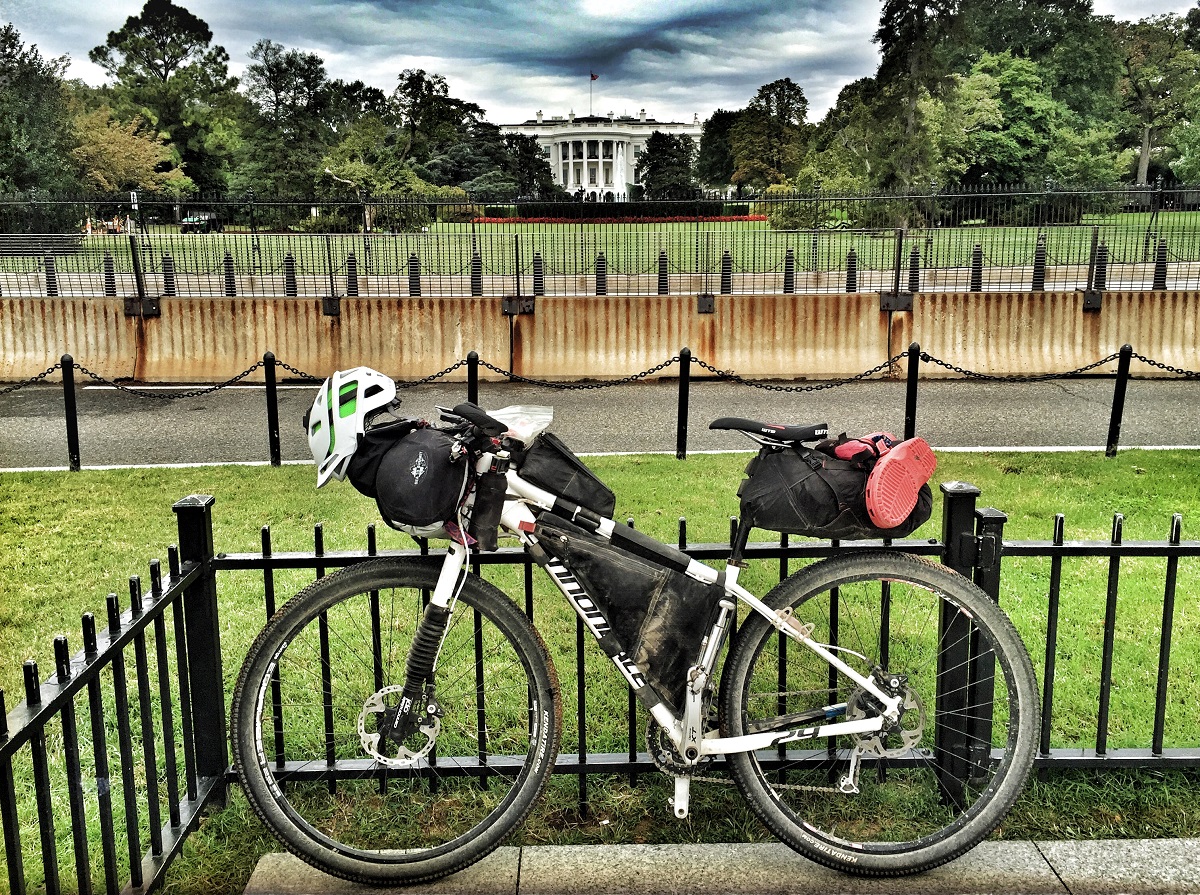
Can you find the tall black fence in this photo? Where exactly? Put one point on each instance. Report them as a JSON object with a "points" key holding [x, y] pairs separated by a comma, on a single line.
{"points": [[171, 760], [1004, 239]]}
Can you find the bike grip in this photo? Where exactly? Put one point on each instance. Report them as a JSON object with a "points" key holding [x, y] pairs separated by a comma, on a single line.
{"points": [[489, 426]]}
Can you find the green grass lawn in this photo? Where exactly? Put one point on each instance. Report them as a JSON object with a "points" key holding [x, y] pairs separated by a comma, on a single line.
{"points": [[69, 538]]}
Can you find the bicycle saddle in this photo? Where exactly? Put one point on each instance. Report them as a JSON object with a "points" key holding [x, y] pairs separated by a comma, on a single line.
{"points": [[773, 431]]}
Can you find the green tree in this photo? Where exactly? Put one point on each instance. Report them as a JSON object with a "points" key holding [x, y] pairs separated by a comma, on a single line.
{"points": [[529, 166], [664, 169], [167, 72], [115, 157], [36, 133], [431, 119], [714, 160], [767, 140]]}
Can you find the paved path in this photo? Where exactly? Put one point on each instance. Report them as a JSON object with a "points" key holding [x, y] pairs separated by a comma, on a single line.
{"points": [[998, 868], [230, 425]]}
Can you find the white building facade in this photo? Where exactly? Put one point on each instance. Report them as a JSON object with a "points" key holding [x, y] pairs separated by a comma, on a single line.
{"points": [[596, 154]]}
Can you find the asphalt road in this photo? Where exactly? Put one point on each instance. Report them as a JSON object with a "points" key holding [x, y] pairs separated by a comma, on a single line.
{"points": [[229, 425]]}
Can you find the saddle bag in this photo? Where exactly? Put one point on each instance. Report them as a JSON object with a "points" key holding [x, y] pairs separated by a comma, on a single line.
{"points": [[550, 464], [658, 616], [815, 493], [409, 470]]}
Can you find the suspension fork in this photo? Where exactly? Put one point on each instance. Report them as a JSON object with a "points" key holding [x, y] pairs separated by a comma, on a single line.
{"points": [[427, 643]]}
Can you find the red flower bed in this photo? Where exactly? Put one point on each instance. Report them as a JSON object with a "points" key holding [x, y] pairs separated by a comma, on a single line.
{"points": [[678, 219]]}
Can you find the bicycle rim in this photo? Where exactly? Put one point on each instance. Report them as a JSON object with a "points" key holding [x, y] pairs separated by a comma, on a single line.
{"points": [[929, 787], [327, 671]]}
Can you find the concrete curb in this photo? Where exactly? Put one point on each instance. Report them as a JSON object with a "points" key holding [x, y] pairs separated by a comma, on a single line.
{"points": [[1135, 867]]}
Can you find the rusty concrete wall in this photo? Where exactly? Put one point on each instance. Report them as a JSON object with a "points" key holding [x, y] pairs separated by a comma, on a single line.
{"points": [[203, 339]]}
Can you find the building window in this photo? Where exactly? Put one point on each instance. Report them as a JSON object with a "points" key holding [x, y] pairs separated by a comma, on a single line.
{"points": [[592, 176]]}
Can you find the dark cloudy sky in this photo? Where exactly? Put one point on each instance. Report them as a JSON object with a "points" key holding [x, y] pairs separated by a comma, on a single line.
{"points": [[674, 58]]}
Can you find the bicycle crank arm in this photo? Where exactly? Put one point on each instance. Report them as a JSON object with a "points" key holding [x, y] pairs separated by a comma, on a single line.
{"points": [[717, 745]]}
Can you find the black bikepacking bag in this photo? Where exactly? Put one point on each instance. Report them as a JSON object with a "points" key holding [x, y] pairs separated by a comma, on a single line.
{"points": [[658, 616], [550, 464], [410, 472], [802, 491]]}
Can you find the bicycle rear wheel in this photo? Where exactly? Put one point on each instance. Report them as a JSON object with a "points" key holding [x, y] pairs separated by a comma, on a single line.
{"points": [[322, 682], [929, 787]]}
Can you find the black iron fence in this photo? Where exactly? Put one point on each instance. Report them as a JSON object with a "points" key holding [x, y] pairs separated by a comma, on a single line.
{"points": [[1022, 239], [112, 816], [907, 364]]}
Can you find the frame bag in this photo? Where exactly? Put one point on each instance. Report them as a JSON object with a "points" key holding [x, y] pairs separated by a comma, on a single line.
{"points": [[550, 464], [805, 491], [658, 616]]}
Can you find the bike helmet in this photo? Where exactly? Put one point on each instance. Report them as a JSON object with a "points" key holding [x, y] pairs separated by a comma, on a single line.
{"points": [[339, 415]]}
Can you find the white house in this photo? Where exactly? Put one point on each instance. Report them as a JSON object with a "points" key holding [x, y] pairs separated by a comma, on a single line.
{"points": [[597, 154]]}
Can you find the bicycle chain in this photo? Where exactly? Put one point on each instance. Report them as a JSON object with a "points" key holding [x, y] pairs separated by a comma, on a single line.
{"points": [[730, 376]]}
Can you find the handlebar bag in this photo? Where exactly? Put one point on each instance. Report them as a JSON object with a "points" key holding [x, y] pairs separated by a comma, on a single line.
{"points": [[418, 485], [803, 491], [550, 464], [658, 616]]}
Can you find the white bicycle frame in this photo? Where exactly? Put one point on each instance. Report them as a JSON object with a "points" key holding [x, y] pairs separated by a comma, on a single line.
{"points": [[685, 731]]}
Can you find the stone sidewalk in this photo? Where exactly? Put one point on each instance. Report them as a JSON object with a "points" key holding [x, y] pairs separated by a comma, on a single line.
{"points": [[1109, 867]]}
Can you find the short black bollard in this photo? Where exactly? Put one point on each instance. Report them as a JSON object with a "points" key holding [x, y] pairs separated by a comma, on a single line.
{"points": [[1039, 265], [289, 276], [789, 272], [910, 394], [539, 274], [914, 270], [726, 273], [476, 273], [351, 275], [273, 442], [976, 284], [51, 276], [414, 274], [170, 288], [1100, 281], [685, 382], [601, 274], [1118, 405], [230, 276], [70, 411], [473, 377], [1160, 267], [664, 280], [852, 271], [110, 275]]}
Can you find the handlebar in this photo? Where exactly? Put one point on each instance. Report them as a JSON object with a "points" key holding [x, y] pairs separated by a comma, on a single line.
{"points": [[472, 413]]}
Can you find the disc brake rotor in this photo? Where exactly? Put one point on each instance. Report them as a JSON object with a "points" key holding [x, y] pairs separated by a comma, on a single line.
{"points": [[895, 740], [374, 741]]}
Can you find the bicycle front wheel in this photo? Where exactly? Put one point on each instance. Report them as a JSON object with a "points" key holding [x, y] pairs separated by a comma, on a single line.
{"points": [[925, 788], [315, 699]]}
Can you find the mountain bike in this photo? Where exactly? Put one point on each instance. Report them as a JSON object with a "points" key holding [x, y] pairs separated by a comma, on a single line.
{"points": [[398, 718]]}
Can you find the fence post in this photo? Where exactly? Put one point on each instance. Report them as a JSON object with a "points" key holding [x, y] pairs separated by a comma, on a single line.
{"points": [[203, 642], [539, 274], [70, 412], [664, 280], [168, 268], [139, 276], [473, 377], [976, 284], [601, 274], [1039, 265], [852, 271], [981, 678], [272, 410], [685, 381], [110, 275], [726, 273], [910, 393], [414, 274], [8, 811], [289, 276], [789, 271], [952, 743], [898, 260], [476, 273], [230, 276], [1160, 267], [351, 275], [1118, 405]]}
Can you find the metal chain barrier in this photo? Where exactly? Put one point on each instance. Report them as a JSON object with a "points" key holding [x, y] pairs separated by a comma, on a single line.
{"points": [[579, 386], [730, 376], [36, 379], [1041, 377], [432, 377], [299, 373], [194, 393], [1189, 374]]}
